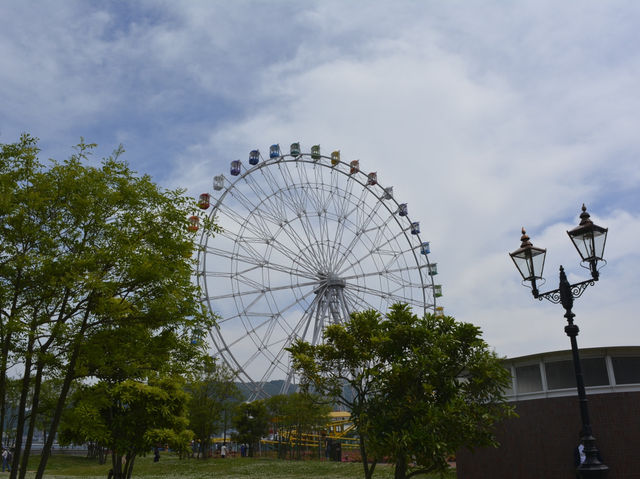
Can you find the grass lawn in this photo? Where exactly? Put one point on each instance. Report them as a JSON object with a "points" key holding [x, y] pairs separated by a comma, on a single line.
{"points": [[66, 467]]}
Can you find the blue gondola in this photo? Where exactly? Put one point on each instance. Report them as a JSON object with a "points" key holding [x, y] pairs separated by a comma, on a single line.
{"points": [[274, 151], [254, 157], [402, 209], [415, 228], [425, 249], [235, 167]]}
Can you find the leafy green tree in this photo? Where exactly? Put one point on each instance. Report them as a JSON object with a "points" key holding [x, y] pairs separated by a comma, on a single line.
{"points": [[295, 415], [418, 388], [251, 422], [128, 417], [85, 250], [212, 392]]}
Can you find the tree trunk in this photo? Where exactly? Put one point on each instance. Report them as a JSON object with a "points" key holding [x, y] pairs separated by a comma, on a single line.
{"points": [[66, 385], [6, 345], [35, 401], [24, 394], [368, 469], [401, 467]]}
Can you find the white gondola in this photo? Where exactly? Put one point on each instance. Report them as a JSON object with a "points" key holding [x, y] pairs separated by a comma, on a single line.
{"points": [[218, 182]]}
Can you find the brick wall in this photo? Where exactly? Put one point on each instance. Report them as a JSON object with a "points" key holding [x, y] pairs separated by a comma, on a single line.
{"points": [[539, 444]]}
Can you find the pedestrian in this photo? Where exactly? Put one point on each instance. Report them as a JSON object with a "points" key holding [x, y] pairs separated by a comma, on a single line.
{"points": [[156, 454], [5, 459], [223, 450]]}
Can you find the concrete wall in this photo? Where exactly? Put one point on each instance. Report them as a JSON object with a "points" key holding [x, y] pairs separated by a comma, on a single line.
{"points": [[539, 444]]}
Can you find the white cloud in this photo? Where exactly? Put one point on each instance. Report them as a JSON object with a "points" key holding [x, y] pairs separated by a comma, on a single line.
{"points": [[484, 117]]}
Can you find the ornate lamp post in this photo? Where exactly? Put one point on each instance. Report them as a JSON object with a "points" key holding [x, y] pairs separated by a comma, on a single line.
{"points": [[589, 239]]}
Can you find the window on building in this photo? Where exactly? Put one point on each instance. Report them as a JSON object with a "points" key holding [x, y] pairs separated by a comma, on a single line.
{"points": [[626, 369], [509, 390], [529, 379], [561, 374]]}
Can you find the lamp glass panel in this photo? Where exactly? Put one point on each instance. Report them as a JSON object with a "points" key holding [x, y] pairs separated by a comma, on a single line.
{"points": [[538, 262], [524, 266], [584, 244], [599, 241]]}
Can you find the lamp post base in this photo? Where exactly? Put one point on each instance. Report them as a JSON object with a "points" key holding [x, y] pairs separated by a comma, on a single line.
{"points": [[592, 471]]}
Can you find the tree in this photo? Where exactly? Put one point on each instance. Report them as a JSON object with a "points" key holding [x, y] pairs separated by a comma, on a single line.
{"points": [[418, 388], [212, 392], [295, 415], [128, 417], [251, 422], [84, 252]]}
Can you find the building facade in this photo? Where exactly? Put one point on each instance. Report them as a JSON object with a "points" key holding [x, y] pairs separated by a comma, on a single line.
{"points": [[540, 442]]}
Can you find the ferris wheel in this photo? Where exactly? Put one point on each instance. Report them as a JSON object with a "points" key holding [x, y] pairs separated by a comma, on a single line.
{"points": [[306, 240]]}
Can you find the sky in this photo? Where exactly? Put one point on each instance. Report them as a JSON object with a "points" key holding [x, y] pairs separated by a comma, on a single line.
{"points": [[484, 116]]}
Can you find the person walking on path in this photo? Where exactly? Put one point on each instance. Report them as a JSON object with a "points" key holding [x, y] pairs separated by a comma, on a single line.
{"points": [[5, 459]]}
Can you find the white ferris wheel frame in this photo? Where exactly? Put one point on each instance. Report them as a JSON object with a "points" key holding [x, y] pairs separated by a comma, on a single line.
{"points": [[294, 228]]}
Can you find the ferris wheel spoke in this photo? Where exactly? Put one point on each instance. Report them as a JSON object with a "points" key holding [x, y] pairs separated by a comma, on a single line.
{"points": [[252, 258], [392, 297], [380, 252], [286, 308], [321, 310], [292, 198], [261, 289], [275, 363], [267, 202], [311, 232], [257, 260], [380, 273], [269, 240], [361, 228], [257, 212], [312, 240], [357, 302], [257, 227]]}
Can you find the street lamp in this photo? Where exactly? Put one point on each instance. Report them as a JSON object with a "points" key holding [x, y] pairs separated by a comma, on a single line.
{"points": [[589, 239]]}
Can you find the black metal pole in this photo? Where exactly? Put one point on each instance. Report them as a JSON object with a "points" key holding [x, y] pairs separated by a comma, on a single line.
{"points": [[592, 467]]}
